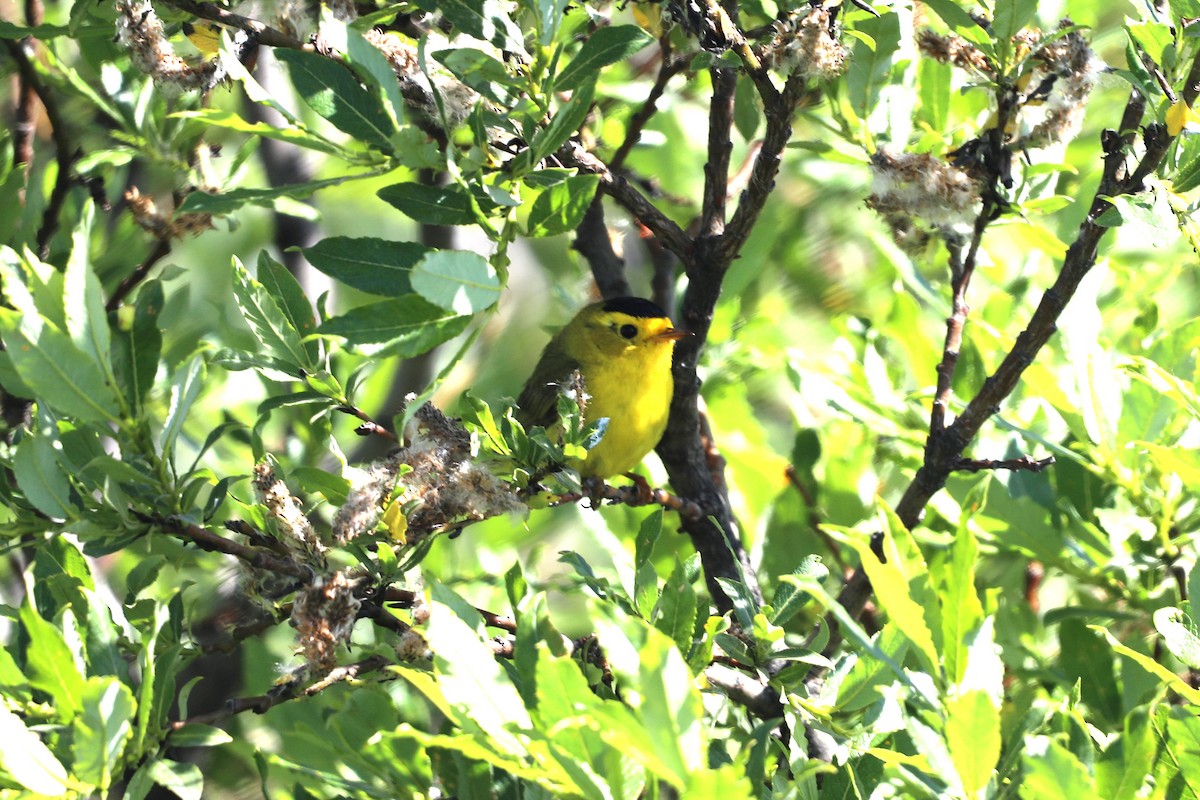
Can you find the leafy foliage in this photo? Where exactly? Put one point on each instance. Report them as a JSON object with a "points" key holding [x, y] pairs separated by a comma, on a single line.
{"points": [[924, 609]]}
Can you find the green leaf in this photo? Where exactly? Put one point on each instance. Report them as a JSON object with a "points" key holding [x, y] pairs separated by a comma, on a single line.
{"points": [[457, 281], [647, 536], [105, 627], [102, 730], [10, 31], [27, 761], [408, 325], [61, 376], [137, 344], [375, 266], [282, 198], [789, 598], [1053, 772], [13, 682], [480, 71], [902, 584], [60, 574], [870, 67], [606, 46], [747, 108], [185, 780], [470, 678], [1084, 658], [1180, 639], [197, 735], [1147, 663], [142, 575], [484, 19], [1187, 176], [671, 710], [973, 737], [185, 388], [1009, 17], [51, 665], [1153, 38], [1182, 750], [330, 89], [564, 124], [282, 285], [432, 205], [228, 120], [40, 477], [369, 62], [962, 612], [561, 207], [272, 328], [675, 614], [83, 297]]}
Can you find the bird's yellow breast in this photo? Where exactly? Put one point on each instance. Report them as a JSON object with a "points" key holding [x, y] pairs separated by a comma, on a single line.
{"points": [[633, 390]]}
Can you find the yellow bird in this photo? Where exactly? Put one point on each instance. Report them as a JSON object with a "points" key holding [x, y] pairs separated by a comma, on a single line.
{"points": [[205, 36], [622, 348]]}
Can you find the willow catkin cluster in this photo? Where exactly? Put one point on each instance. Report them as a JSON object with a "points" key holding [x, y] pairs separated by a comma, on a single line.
{"points": [[446, 484], [435, 479], [804, 44], [323, 614], [162, 226], [1053, 92], [910, 186], [292, 525], [954, 50], [1064, 74]]}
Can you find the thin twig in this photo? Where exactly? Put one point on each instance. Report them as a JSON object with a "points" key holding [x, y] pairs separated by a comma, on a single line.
{"points": [[574, 154], [207, 540], [634, 496], [814, 517], [669, 68], [720, 149], [369, 426], [25, 123], [1022, 464], [160, 251], [243, 632], [759, 698], [263, 703]]}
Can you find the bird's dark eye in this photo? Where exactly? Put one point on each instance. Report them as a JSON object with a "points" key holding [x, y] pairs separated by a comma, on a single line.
{"points": [[629, 331]]}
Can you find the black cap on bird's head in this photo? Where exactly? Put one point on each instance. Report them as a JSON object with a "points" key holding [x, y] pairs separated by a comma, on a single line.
{"points": [[635, 307]]}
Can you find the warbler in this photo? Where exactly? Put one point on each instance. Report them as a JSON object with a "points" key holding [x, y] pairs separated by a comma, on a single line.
{"points": [[622, 348]]}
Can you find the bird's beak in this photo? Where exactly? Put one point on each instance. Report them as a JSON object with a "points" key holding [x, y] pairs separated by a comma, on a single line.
{"points": [[671, 335]]}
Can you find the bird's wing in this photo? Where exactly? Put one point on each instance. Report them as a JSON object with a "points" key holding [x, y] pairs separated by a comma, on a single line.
{"points": [[538, 403]]}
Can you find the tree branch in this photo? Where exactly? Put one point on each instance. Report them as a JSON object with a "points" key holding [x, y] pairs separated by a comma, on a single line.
{"points": [[207, 540], [720, 148], [265, 34], [63, 149], [592, 241], [160, 251], [263, 703], [574, 154], [637, 123]]}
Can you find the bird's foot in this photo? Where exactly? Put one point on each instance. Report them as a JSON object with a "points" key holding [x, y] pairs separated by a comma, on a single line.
{"points": [[593, 490], [644, 493]]}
